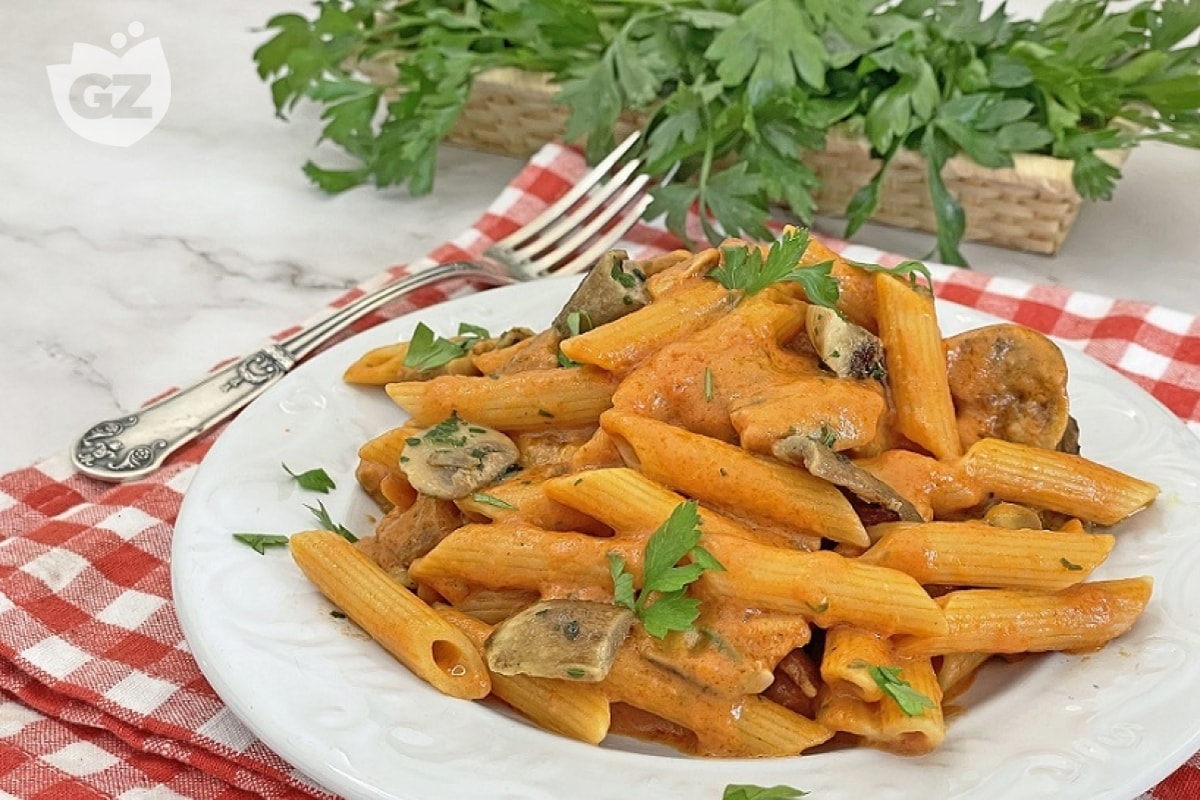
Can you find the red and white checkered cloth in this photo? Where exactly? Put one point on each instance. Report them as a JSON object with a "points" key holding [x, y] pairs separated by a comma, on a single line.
{"points": [[99, 694]]}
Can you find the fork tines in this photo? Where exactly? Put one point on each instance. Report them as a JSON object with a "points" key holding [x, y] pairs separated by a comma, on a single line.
{"points": [[570, 235]]}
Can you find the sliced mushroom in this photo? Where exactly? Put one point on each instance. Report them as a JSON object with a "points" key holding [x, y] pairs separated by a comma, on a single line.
{"points": [[849, 350], [613, 288], [455, 458], [572, 639], [823, 462], [1008, 382]]}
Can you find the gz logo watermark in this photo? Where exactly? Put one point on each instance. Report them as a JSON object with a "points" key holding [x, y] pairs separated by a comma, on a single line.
{"points": [[117, 96]]}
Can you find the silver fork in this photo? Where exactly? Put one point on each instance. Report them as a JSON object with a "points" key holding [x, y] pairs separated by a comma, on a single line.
{"points": [[566, 238]]}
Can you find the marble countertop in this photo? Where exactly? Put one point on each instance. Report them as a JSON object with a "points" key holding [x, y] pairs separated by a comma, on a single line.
{"points": [[128, 270]]}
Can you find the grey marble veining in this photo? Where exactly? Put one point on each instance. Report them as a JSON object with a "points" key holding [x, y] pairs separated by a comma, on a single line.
{"points": [[129, 270]]}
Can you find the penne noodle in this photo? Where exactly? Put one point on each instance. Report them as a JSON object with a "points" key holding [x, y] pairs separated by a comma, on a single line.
{"points": [[577, 710], [884, 723], [622, 344], [385, 448], [743, 727], [627, 501], [957, 670], [1082, 617], [393, 616], [1062, 482], [823, 586], [974, 553], [849, 650], [520, 556], [916, 365], [521, 401], [722, 476]]}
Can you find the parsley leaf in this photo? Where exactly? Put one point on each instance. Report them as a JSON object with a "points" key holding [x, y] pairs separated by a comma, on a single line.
{"points": [[491, 500], [888, 679], [259, 542], [748, 791], [427, 351], [744, 269], [314, 480], [662, 603], [321, 514]]}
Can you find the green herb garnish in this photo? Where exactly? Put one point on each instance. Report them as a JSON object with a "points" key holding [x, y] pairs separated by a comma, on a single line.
{"points": [[259, 542], [911, 271], [321, 514], [1070, 565], [662, 603], [489, 500], [748, 791], [708, 384], [744, 269], [314, 480], [888, 679], [427, 351]]}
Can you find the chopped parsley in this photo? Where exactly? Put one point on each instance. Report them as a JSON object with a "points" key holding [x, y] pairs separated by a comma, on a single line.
{"points": [[662, 603], [322, 516], [259, 542], [708, 384], [888, 679], [314, 480], [1070, 565], [489, 500], [748, 791]]}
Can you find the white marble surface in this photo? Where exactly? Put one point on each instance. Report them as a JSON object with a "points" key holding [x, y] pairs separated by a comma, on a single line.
{"points": [[128, 270]]}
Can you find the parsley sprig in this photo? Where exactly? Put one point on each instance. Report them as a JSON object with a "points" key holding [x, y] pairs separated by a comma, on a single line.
{"points": [[733, 90], [428, 351], [662, 603], [746, 270]]}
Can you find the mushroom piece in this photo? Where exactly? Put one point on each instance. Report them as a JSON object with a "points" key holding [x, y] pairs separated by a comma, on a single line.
{"points": [[823, 462], [573, 639], [1008, 382], [850, 350], [613, 288], [455, 458]]}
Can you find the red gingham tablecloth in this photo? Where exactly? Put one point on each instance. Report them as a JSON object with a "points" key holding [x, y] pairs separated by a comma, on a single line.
{"points": [[99, 695]]}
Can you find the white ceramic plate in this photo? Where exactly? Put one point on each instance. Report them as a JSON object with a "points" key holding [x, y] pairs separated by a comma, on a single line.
{"points": [[1106, 725]]}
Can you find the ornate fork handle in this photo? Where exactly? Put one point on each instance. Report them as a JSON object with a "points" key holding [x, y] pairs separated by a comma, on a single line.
{"points": [[134, 445]]}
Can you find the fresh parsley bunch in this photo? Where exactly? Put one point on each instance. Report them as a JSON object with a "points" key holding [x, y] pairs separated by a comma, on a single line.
{"points": [[734, 90]]}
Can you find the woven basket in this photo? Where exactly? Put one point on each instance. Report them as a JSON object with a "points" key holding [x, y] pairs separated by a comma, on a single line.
{"points": [[1029, 206]]}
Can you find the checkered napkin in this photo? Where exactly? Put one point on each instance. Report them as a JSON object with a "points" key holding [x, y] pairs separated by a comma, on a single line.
{"points": [[99, 694]]}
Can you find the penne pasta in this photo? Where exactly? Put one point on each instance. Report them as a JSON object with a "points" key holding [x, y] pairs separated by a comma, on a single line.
{"points": [[916, 365], [627, 501], [621, 345], [1081, 617], [522, 401], [974, 553], [743, 727], [722, 475], [823, 586], [1062, 482], [393, 616]]}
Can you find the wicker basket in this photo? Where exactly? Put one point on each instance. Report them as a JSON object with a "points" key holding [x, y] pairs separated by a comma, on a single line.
{"points": [[1029, 206]]}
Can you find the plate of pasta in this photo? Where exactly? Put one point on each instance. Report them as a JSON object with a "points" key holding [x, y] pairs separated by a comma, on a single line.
{"points": [[695, 530]]}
